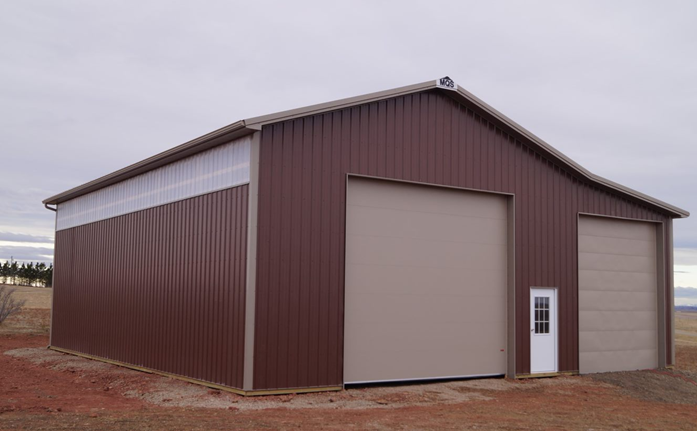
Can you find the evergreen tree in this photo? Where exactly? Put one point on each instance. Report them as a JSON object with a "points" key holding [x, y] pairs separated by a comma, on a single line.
{"points": [[26, 274], [39, 273], [14, 269], [5, 273], [22, 274], [48, 276]]}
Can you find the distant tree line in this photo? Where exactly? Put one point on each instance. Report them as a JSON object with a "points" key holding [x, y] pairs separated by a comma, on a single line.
{"points": [[26, 274]]}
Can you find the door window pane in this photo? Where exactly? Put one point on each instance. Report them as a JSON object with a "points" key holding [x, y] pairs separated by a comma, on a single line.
{"points": [[541, 315]]}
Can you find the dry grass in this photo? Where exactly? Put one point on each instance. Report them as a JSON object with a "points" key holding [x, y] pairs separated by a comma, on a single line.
{"points": [[686, 321], [34, 317], [686, 341], [685, 332], [36, 297]]}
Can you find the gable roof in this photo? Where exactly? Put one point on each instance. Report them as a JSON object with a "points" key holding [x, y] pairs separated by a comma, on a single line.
{"points": [[250, 125]]}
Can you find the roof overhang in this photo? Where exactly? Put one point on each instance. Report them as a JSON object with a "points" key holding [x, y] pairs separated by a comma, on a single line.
{"points": [[469, 98], [446, 85], [210, 140]]}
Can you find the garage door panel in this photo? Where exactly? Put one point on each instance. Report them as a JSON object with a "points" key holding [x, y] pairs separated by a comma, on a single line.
{"points": [[371, 221], [410, 197], [616, 263], [616, 228], [617, 320], [618, 281], [414, 337], [621, 246], [438, 365], [424, 253], [447, 351], [611, 341], [427, 309], [596, 300], [599, 362], [617, 295], [426, 277], [383, 279]]}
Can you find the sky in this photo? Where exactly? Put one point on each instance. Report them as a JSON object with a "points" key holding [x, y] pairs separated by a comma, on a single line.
{"points": [[90, 87]]}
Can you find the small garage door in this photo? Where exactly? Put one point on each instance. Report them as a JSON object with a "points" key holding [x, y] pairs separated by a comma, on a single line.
{"points": [[425, 282], [617, 295]]}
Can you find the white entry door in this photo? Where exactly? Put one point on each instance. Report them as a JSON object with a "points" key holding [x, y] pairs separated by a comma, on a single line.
{"points": [[543, 330]]}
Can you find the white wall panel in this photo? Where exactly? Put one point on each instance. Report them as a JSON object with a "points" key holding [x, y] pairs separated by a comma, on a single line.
{"points": [[215, 169]]}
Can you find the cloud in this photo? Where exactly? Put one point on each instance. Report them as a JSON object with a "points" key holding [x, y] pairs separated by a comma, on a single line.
{"points": [[685, 257], [22, 211], [20, 237], [26, 254], [686, 292], [91, 87]]}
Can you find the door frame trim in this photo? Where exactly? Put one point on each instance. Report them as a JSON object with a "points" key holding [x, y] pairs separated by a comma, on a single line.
{"points": [[556, 329]]}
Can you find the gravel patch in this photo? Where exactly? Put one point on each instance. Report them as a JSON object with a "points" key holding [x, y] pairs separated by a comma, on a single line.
{"points": [[59, 361], [665, 386], [174, 393]]}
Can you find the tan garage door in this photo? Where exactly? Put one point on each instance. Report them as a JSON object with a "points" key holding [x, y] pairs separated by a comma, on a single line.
{"points": [[617, 295], [425, 282]]}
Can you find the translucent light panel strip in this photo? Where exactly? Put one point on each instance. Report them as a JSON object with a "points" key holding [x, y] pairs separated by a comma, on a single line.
{"points": [[219, 168]]}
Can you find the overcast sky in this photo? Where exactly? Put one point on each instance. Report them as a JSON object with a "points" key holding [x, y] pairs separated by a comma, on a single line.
{"points": [[89, 87]]}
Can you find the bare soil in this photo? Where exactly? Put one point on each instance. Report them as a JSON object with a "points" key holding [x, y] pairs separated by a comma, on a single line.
{"points": [[44, 389]]}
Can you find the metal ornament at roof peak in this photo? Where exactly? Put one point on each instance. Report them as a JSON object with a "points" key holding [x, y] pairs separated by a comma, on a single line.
{"points": [[446, 83]]}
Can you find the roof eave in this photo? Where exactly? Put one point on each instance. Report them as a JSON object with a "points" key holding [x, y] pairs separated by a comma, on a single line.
{"points": [[240, 128], [472, 99], [253, 124], [212, 139]]}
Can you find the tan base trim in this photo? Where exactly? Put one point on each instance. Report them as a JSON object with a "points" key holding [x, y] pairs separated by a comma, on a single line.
{"points": [[538, 375], [251, 393], [259, 392]]}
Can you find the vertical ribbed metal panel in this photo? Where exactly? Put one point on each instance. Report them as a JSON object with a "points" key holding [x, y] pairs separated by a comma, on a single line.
{"points": [[221, 167], [669, 301], [425, 137], [162, 288]]}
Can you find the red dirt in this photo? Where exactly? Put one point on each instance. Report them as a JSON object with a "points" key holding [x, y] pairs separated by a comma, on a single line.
{"points": [[38, 396], [35, 388], [597, 409], [41, 389]]}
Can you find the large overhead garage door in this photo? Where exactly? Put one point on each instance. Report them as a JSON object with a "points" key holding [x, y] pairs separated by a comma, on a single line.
{"points": [[425, 282], [617, 295]]}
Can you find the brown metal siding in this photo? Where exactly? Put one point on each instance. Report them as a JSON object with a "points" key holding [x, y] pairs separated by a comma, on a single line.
{"points": [[425, 137], [669, 302], [162, 288]]}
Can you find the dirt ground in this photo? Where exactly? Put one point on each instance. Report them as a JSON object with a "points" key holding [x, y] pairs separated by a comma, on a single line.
{"points": [[41, 389]]}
